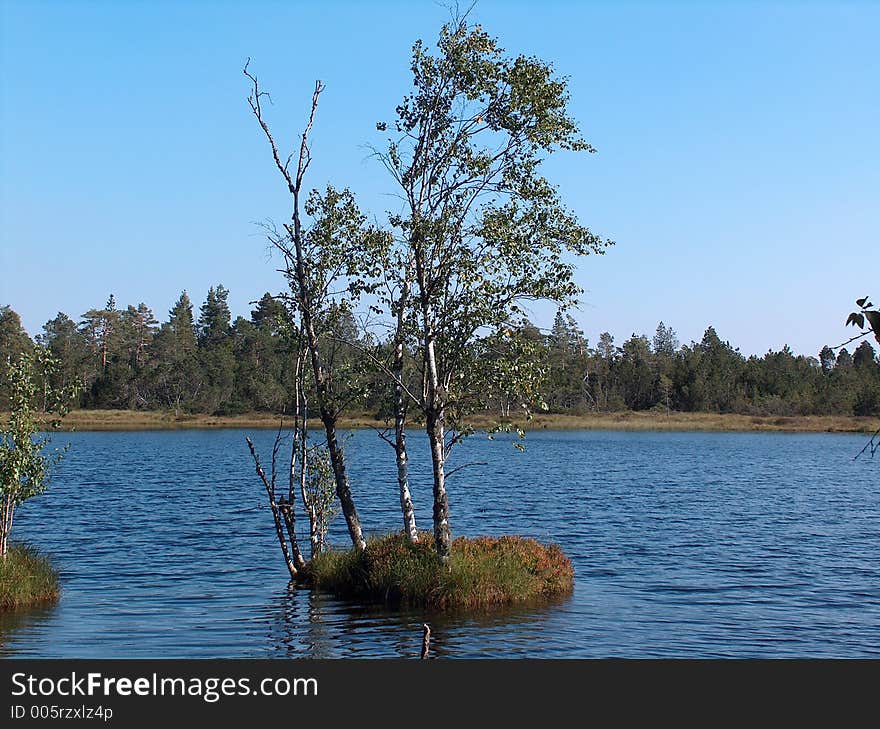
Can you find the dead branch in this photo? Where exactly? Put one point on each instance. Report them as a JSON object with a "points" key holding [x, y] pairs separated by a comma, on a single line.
{"points": [[257, 109], [276, 514], [874, 446], [305, 156]]}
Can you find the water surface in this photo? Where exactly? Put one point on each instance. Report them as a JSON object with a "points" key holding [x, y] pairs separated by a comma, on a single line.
{"points": [[684, 545]]}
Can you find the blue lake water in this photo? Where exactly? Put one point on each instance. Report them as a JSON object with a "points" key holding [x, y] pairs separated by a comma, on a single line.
{"points": [[684, 545]]}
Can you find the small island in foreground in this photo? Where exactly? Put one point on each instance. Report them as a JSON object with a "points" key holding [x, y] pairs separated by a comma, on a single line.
{"points": [[26, 579], [482, 572]]}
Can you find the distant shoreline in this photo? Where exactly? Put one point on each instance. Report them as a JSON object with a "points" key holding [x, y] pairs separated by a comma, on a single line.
{"points": [[134, 420]]}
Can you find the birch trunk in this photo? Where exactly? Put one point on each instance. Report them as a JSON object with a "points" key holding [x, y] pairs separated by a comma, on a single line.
{"points": [[436, 435], [435, 426], [287, 512], [322, 388], [300, 432], [343, 488], [406, 504], [314, 542], [6, 525], [434, 415]]}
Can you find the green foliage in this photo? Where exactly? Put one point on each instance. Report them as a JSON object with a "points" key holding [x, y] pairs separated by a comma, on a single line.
{"points": [[25, 463], [867, 313], [70, 350], [339, 261], [482, 572], [26, 578], [665, 342], [483, 229], [506, 368], [14, 341], [320, 492], [262, 349]]}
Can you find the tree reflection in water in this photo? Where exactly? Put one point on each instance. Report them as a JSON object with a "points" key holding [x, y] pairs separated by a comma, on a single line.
{"points": [[303, 623]]}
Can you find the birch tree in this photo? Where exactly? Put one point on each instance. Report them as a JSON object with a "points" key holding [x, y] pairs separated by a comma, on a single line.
{"points": [[394, 297], [25, 459], [483, 229], [328, 254]]}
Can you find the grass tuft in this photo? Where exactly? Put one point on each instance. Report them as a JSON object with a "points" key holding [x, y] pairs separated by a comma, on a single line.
{"points": [[483, 572], [26, 578]]}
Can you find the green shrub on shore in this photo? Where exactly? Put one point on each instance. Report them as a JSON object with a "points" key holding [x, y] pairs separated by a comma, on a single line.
{"points": [[26, 578], [483, 572]]}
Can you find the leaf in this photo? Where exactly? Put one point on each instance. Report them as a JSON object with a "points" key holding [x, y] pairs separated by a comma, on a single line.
{"points": [[861, 302], [856, 319], [874, 320]]}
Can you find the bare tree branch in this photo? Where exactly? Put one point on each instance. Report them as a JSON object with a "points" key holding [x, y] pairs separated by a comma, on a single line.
{"points": [[381, 365], [466, 465]]}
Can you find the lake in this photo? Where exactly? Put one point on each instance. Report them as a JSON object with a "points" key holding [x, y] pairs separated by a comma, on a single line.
{"points": [[684, 545]]}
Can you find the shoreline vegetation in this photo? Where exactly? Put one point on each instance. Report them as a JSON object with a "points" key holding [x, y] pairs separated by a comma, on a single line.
{"points": [[27, 579], [482, 572], [136, 420]]}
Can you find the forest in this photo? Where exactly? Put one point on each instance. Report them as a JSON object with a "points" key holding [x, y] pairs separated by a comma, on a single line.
{"points": [[206, 362]]}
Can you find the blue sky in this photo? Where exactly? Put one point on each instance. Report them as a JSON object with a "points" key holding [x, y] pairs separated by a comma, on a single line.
{"points": [[738, 166]]}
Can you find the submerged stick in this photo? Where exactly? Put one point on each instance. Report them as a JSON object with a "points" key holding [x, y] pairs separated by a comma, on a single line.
{"points": [[426, 640]]}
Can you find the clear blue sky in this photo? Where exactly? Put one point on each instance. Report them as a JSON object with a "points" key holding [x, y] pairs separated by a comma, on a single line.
{"points": [[738, 166]]}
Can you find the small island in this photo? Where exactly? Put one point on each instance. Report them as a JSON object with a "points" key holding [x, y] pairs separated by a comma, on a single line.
{"points": [[482, 572], [27, 578]]}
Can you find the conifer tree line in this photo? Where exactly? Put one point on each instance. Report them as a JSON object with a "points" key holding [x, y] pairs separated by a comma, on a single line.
{"points": [[203, 361]]}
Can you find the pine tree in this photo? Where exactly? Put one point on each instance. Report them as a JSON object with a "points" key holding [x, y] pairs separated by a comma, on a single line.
{"points": [[14, 342], [175, 377], [67, 345], [665, 341], [216, 357]]}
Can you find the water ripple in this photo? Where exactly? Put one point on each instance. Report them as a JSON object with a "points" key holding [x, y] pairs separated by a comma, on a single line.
{"points": [[684, 544]]}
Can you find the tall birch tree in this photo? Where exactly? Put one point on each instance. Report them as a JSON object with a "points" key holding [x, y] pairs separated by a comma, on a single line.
{"points": [[483, 229]]}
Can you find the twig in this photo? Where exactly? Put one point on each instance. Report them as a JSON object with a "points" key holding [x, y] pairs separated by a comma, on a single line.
{"points": [[870, 444], [381, 365], [383, 434], [465, 465], [853, 339]]}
